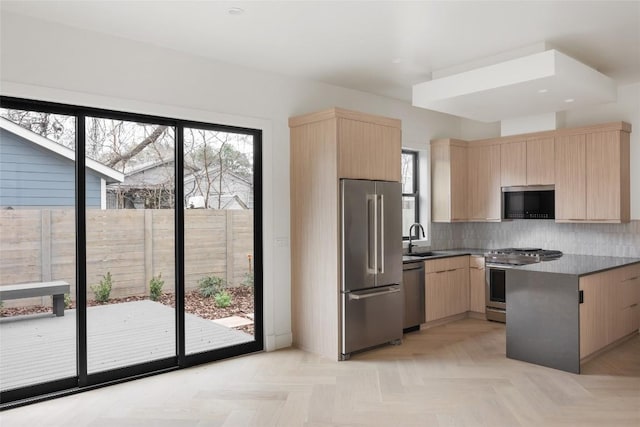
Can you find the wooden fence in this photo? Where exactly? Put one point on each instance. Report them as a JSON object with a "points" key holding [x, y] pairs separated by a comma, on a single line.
{"points": [[133, 245]]}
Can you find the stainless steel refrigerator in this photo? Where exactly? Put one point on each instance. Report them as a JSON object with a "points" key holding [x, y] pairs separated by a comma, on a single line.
{"points": [[371, 301]]}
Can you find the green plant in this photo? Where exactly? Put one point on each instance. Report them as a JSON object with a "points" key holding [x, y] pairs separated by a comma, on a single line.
{"points": [[67, 300], [248, 279], [155, 287], [211, 285], [102, 290], [222, 299]]}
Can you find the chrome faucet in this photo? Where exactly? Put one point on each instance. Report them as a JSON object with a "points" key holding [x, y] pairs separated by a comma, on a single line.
{"points": [[411, 245]]}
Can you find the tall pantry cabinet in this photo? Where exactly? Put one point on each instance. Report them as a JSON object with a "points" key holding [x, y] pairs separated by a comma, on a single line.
{"points": [[325, 147]]}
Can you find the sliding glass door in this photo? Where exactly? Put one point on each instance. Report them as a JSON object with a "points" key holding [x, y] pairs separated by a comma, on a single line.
{"points": [[131, 244], [37, 248], [218, 239]]}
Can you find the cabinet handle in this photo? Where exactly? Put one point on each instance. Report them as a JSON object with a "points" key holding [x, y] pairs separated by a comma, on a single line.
{"points": [[630, 279], [634, 305]]}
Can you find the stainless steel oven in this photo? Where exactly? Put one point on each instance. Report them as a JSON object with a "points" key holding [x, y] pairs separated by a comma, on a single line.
{"points": [[496, 295], [496, 263]]}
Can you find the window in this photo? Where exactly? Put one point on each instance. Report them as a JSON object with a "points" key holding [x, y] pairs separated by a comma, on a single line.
{"points": [[410, 193]]}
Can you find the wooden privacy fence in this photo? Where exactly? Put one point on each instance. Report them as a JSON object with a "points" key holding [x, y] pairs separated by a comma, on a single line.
{"points": [[133, 245]]}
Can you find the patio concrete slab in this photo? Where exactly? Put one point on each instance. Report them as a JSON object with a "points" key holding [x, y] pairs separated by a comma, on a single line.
{"points": [[40, 348]]}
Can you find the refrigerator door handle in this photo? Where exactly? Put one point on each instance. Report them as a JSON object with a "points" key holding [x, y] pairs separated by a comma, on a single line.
{"points": [[389, 291], [372, 223], [381, 234]]}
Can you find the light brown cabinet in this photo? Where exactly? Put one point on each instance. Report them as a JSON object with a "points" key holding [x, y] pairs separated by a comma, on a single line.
{"points": [[589, 167], [325, 147], [368, 150], [449, 180], [446, 287], [611, 307], [513, 161], [529, 162], [477, 286], [484, 182], [540, 161], [592, 177]]}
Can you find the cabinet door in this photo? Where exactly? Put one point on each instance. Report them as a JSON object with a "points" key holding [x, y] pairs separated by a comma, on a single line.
{"points": [[570, 171], [603, 176], [513, 161], [477, 286], [459, 193], [435, 295], [448, 182], [540, 161], [368, 151], [458, 294], [595, 313], [484, 183]]}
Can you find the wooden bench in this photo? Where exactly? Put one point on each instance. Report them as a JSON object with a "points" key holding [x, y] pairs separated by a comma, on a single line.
{"points": [[27, 290]]}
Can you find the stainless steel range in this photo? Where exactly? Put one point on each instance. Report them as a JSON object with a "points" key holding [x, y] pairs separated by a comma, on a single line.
{"points": [[496, 261]]}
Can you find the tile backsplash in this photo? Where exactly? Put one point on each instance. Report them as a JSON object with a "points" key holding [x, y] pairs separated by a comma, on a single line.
{"points": [[621, 240]]}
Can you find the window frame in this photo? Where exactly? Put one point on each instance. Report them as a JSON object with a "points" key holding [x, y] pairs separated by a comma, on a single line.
{"points": [[416, 191]]}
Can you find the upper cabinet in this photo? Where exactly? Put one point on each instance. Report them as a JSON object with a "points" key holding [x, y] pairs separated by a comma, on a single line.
{"points": [[570, 178], [513, 161], [540, 161], [592, 177], [589, 167], [369, 148], [527, 162], [449, 180], [484, 182], [361, 146]]}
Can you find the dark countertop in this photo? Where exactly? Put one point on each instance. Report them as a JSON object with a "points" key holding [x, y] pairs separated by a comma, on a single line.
{"points": [[579, 265], [442, 253]]}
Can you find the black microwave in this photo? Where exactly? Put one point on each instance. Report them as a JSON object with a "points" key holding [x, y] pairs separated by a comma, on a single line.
{"points": [[535, 202]]}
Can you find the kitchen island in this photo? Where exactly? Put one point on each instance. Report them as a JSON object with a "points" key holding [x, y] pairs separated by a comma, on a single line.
{"points": [[561, 312]]}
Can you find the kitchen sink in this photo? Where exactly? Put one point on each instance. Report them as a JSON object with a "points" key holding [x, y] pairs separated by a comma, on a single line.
{"points": [[418, 256], [424, 254]]}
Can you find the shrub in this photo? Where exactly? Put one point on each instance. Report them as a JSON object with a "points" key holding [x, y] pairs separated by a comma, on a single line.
{"points": [[222, 299], [67, 301], [211, 285], [155, 287], [102, 290], [248, 279]]}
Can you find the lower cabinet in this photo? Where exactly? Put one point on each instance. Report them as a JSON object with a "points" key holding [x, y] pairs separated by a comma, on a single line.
{"points": [[611, 307], [446, 287], [477, 285]]}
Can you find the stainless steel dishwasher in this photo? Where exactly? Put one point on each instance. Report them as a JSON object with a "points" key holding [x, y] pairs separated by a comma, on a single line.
{"points": [[413, 289]]}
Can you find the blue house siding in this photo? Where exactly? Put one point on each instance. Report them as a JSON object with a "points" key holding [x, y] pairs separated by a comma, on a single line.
{"points": [[31, 176]]}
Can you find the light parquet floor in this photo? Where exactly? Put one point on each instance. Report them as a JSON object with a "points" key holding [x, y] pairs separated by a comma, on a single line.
{"points": [[451, 375]]}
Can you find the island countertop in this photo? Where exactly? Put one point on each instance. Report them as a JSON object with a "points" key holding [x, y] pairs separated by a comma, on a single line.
{"points": [[579, 265]]}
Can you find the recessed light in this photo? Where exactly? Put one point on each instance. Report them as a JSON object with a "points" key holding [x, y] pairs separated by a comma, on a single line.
{"points": [[396, 60], [543, 90], [235, 11], [569, 100]]}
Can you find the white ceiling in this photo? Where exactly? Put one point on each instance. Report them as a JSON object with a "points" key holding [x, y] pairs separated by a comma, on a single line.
{"points": [[382, 47]]}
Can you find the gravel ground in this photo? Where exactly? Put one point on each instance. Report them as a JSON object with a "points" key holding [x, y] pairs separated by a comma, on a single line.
{"points": [[241, 305]]}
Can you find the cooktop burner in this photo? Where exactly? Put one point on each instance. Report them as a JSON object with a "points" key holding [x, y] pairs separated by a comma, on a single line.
{"points": [[520, 256]]}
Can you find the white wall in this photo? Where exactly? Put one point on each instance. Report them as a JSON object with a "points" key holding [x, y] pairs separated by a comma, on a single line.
{"points": [[51, 62], [626, 108]]}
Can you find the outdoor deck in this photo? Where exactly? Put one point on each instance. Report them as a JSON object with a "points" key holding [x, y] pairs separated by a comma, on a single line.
{"points": [[41, 348]]}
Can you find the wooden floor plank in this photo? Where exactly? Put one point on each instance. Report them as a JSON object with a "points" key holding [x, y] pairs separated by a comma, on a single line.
{"points": [[451, 375]]}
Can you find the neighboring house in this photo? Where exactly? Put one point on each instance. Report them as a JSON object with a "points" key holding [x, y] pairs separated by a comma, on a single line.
{"points": [[36, 172], [151, 186]]}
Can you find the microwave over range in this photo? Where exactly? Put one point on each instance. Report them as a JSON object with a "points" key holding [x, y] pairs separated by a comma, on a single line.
{"points": [[532, 202]]}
